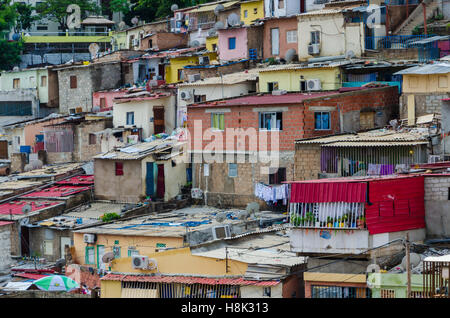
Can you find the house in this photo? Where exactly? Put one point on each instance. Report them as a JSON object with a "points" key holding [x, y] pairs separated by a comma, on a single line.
{"points": [[335, 285], [136, 33], [237, 43], [153, 113], [301, 77], [394, 285], [424, 88], [148, 234], [360, 154], [283, 8], [250, 139], [359, 215], [194, 73], [279, 37], [214, 88], [337, 35], [251, 11], [192, 56], [77, 83], [214, 272], [163, 41], [154, 169], [49, 237], [103, 100]]}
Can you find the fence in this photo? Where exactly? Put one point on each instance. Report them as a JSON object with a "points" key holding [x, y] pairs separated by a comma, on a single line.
{"points": [[339, 292]]}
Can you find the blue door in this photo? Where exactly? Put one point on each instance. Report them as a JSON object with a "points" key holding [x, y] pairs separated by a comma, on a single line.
{"points": [[149, 180]]}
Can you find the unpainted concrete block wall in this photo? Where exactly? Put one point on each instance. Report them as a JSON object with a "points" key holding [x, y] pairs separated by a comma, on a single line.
{"points": [[437, 206]]}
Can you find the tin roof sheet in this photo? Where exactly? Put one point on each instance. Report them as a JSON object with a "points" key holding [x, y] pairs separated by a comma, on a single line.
{"points": [[228, 79], [334, 277], [435, 68], [211, 7]]}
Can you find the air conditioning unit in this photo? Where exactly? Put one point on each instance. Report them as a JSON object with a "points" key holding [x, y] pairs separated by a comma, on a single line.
{"points": [[313, 85], [194, 78], [89, 238], [203, 60], [313, 49], [139, 262], [220, 232], [185, 95]]}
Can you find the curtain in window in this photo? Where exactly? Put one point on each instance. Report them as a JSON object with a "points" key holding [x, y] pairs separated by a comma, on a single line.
{"points": [[218, 121]]}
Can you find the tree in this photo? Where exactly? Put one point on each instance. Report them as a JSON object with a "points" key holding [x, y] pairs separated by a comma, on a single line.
{"points": [[56, 10], [25, 17], [9, 50]]}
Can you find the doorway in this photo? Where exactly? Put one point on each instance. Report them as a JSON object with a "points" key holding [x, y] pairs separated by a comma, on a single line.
{"points": [[160, 183], [158, 119]]}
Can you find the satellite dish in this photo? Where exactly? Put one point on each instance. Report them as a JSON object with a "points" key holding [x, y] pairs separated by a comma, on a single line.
{"points": [[61, 262], [252, 208], [174, 7], [152, 264], [218, 8], [135, 20], [349, 54], [233, 20], [212, 32], [219, 25], [26, 208], [195, 43], [107, 257], [414, 260], [122, 25], [93, 49], [220, 217], [290, 55]]}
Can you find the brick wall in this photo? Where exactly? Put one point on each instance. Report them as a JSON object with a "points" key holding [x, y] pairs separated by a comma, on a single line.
{"points": [[306, 162]]}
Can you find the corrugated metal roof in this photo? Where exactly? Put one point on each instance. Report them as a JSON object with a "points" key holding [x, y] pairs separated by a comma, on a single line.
{"points": [[211, 7], [435, 68], [375, 143], [228, 79], [318, 192], [334, 277], [444, 258], [294, 66], [188, 280]]}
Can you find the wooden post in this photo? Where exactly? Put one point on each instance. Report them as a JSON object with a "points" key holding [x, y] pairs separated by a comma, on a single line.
{"points": [[408, 268], [226, 259]]}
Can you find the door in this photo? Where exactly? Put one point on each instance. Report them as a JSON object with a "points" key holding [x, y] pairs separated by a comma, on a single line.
{"points": [[25, 241], [100, 253], [64, 241], [366, 120], [161, 70], [275, 36], [149, 180], [3, 149], [160, 185], [158, 119]]}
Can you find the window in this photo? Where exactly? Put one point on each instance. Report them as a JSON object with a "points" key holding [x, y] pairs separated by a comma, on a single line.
{"points": [[340, 292], [92, 139], [130, 118], [102, 102], [255, 11], [48, 248], [231, 43], [232, 170], [199, 98], [218, 121], [321, 120], [89, 257], [315, 37], [16, 83], [119, 168], [443, 82], [42, 28], [214, 47], [245, 13], [43, 81], [132, 251], [271, 121], [291, 36], [32, 81], [180, 75], [73, 81], [267, 291], [277, 175], [280, 4], [116, 251], [387, 293], [272, 86], [150, 44]]}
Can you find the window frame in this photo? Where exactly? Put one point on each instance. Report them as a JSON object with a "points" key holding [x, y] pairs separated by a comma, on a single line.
{"points": [[16, 83], [233, 176], [273, 86], [289, 38], [232, 42], [127, 117], [43, 82], [212, 121], [86, 255], [315, 37], [73, 82], [321, 120], [92, 139], [262, 122], [118, 168]]}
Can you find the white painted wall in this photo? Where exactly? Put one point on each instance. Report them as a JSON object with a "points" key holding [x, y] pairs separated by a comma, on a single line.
{"points": [[336, 37], [339, 241], [257, 291]]}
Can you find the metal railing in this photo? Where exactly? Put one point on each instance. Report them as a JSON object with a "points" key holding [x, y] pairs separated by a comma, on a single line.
{"points": [[67, 33], [394, 41]]}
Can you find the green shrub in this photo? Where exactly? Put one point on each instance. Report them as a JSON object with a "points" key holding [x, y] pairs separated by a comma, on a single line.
{"points": [[107, 217]]}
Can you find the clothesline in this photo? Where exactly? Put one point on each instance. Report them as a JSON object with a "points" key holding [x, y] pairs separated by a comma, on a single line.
{"points": [[272, 193]]}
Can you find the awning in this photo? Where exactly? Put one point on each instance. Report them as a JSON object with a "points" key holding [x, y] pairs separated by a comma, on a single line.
{"points": [[318, 192]]}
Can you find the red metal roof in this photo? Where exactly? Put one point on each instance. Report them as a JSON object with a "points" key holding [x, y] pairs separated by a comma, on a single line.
{"points": [[56, 192], [188, 280], [266, 99], [5, 223], [316, 192], [78, 180], [29, 275], [15, 207]]}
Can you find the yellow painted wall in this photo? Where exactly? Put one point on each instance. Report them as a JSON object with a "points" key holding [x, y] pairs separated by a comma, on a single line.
{"points": [[210, 41], [120, 39], [433, 83], [144, 244], [181, 261], [110, 289], [178, 63], [289, 80], [251, 15]]}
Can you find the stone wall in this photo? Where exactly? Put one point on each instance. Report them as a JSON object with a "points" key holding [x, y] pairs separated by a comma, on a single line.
{"points": [[83, 150], [424, 104], [437, 206]]}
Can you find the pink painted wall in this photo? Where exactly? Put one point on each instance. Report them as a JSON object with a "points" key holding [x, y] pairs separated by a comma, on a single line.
{"points": [[37, 128], [109, 96], [241, 50], [284, 25]]}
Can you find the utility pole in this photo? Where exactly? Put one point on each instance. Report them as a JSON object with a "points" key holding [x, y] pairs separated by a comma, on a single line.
{"points": [[226, 259], [408, 268]]}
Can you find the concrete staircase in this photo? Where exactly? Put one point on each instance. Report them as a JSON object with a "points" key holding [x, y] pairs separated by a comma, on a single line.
{"points": [[416, 17]]}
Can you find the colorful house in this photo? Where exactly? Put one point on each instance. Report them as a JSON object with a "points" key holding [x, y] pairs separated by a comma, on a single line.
{"points": [[174, 70], [394, 285], [280, 36], [252, 10], [335, 285], [236, 43]]}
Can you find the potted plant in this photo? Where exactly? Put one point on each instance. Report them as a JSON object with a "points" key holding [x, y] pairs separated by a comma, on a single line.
{"points": [[329, 221], [361, 222], [318, 223], [345, 220], [337, 221]]}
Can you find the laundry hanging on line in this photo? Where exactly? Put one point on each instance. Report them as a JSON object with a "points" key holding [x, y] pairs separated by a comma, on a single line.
{"points": [[273, 193]]}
